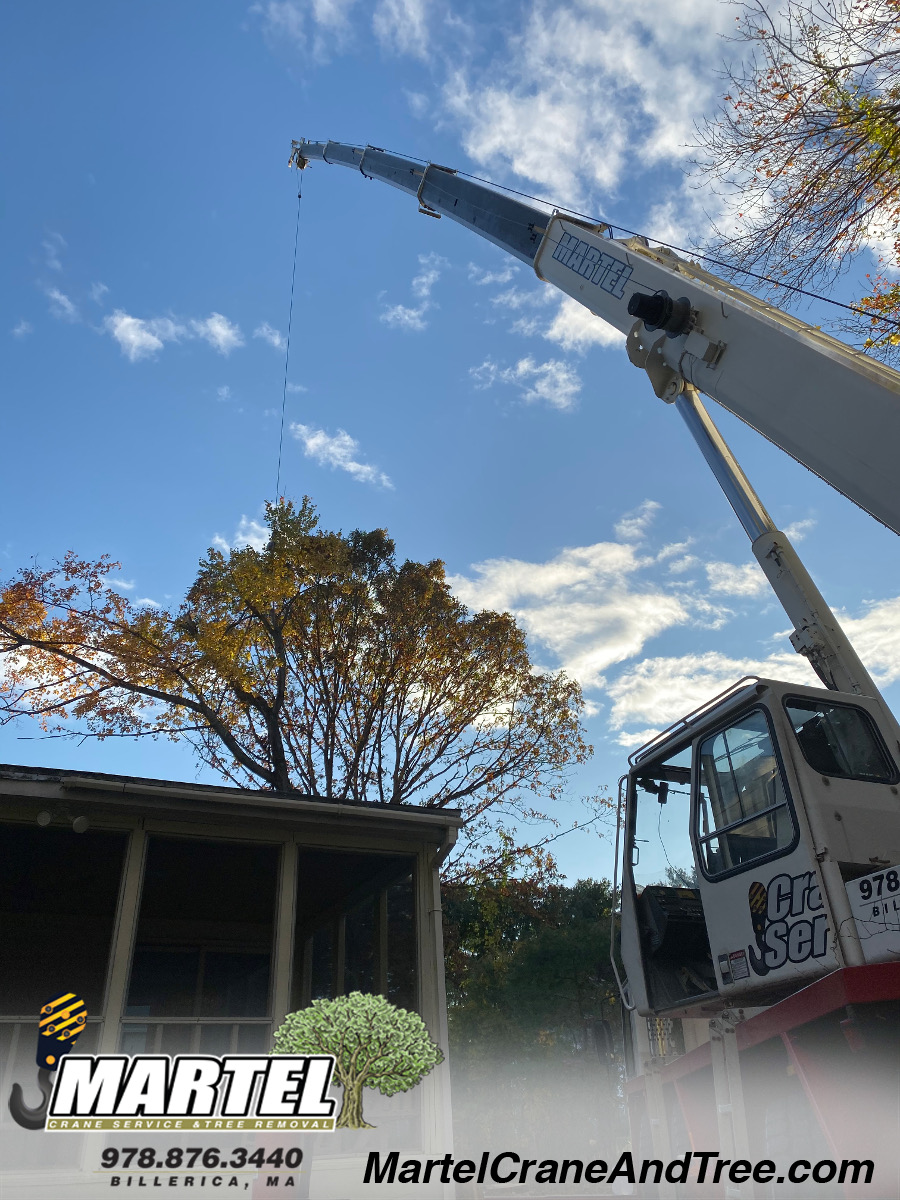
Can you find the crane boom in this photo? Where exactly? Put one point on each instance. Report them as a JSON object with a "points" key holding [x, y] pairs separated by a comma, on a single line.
{"points": [[828, 406], [513, 226]]}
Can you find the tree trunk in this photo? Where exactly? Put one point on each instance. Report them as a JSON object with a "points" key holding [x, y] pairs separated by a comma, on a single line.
{"points": [[351, 1116]]}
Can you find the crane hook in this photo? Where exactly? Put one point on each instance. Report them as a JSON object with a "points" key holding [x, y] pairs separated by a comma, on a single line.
{"points": [[62, 1022], [31, 1118]]}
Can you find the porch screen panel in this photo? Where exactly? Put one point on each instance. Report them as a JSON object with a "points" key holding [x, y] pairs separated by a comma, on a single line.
{"points": [[204, 936], [355, 926], [58, 895]]}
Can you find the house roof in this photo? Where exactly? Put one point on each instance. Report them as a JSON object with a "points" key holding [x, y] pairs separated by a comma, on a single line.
{"points": [[170, 797]]}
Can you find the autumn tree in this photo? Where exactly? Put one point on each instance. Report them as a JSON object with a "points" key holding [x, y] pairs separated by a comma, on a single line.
{"points": [[316, 664], [806, 148], [376, 1045]]}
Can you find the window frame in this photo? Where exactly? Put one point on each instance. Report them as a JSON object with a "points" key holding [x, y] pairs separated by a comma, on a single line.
{"points": [[697, 840], [873, 727]]}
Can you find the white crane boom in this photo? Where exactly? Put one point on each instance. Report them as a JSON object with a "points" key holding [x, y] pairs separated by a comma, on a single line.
{"points": [[830, 407]]}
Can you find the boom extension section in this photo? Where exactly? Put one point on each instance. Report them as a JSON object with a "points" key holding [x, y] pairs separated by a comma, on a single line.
{"points": [[513, 226]]}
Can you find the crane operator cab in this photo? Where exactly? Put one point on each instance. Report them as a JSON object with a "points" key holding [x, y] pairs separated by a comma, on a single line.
{"points": [[762, 848]]}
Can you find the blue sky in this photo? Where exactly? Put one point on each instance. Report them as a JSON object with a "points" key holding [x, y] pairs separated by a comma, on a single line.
{"points": [[435, 387]]}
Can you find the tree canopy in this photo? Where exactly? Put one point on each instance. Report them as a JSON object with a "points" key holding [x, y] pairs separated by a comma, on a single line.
{"points": [[376, 1045], [314, 664], [806, 146], [528, 963]]}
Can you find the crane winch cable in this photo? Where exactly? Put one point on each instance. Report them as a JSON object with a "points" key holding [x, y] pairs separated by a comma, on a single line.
{"points": [[287, 344]]}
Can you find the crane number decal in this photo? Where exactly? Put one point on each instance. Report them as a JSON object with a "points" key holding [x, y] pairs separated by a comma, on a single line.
{"points": [[592, 264]]}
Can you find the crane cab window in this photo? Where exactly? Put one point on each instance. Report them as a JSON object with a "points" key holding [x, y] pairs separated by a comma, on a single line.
{"points": [[839, 740], [743, 812]]}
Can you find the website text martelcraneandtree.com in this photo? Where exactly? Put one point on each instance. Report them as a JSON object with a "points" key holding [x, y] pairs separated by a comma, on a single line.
{"points": [[697, 1166]]}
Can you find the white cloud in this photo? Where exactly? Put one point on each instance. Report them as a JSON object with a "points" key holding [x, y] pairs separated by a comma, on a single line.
{"points": [[687, 562], [586, 605], [685, 210], [876, 639], [432, 265], [527, 297], [588, 609], [128, 585], [270, 335], [576, 328], [418, 103], [224, 392], [401, 26], [744, 580], [221, 334], [338, 451], [674, 549], [22, 329], [881, 240], [53, 245], [318, 27], [659, 691], [798, 530], [98, 291], [633, 526], [573, 96], [639, 737], [552, 382], [248, 533], [296, 387], [141, 339], [572, 326], [410, 320], [61, 306], [610, 87], [481, 277]]}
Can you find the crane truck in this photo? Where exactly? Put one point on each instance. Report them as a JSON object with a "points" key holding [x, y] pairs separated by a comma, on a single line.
{"points": [[760, 981]]}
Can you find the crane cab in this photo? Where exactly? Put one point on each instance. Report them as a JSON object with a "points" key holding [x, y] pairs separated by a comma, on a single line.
{"points": [[762, 843]]}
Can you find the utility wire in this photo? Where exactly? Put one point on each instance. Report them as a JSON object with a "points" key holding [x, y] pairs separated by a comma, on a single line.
{"points": [[287, 347]]}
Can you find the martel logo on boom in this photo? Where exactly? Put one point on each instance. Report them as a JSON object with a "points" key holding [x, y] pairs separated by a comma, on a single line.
{"points": [[151, 1091], [788, 922], [596, 266]]}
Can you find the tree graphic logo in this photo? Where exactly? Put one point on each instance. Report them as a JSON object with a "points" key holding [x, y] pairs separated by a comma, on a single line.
{"points": [[375, 1045]]}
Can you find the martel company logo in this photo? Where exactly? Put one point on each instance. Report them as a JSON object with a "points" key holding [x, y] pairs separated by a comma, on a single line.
{"points": [[193, 1091], [356, 1041]]}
